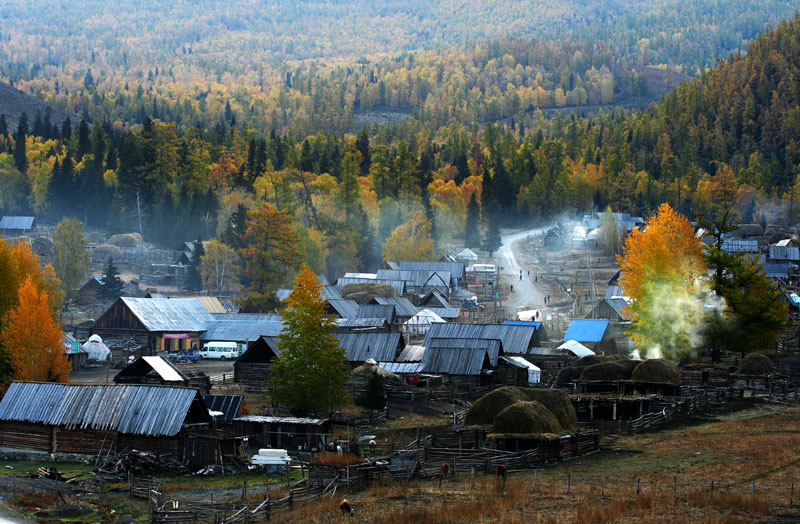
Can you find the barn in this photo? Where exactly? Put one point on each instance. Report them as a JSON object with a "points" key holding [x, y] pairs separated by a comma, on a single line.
{"points": [[157, 370], [14, 226], [361, 346], [472, 362], [252, 368]]}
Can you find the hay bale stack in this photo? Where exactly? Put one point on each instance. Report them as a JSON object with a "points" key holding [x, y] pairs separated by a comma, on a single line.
{"points": [[591, 360], [614, 370], [631, 364], [486, 408], [750, 230], [367, 369], [568, 374], [126, 240], [557, 402], [657, 370], [42, 246], [526, 418], [363, 292], [108, 250], [756, 364], [95, 238]]}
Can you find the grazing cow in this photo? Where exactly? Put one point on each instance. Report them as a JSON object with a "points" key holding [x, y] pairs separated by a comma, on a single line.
{"points": [[501, 471], [445, 469], [344, 505]]}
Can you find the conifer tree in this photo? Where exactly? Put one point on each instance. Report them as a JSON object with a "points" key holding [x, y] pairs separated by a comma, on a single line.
{"points": [[112, 285], [472, 237], [193, 282]]}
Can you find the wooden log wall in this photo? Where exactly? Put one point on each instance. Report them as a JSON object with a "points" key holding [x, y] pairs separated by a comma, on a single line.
{"points": [[84, 441], [25, 435]]}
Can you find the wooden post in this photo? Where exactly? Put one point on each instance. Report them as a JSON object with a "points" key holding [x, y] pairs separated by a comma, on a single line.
{"points": [[602, 484], [675, 486], [791, 496], [753, 489], [712, 487], [569, 481], [244, 490], [535, 473], [472, 480], [637, 487]]}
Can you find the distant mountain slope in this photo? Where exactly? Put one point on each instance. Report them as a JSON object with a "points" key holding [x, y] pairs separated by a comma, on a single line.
{"points": [[14, 102]]}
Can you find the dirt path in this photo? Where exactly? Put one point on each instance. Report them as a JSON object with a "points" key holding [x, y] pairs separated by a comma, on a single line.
{"points": [[526, 294]]}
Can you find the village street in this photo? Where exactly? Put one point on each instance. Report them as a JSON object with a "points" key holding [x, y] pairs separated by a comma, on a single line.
{"points": [[526, 295]]}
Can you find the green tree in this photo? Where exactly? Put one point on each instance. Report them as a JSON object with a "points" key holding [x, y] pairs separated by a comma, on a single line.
{"points": [[374, 397], [193, 282], [73, 259], [472, 237], [609, 232], [112, 285], [310, 373], [492, 242]]}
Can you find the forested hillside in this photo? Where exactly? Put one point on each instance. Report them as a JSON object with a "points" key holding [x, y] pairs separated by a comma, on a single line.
{"points": [[729, 137]]}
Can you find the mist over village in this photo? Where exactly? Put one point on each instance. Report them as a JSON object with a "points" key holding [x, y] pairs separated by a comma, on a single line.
{"points": [[394, 262]]}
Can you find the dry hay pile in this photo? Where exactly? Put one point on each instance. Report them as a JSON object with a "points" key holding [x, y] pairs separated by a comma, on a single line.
{"points": [[526, 418], [749, 230], [126, 240], [368, 369], [108, 250], [755, 364], [42, 246], [591, 360], [614, 370], [657, 370], [568, 374], [363, 292], [486, 409]]}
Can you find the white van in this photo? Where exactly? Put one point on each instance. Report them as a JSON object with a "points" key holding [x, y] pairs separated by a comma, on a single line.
{"points": [[220, 350]]}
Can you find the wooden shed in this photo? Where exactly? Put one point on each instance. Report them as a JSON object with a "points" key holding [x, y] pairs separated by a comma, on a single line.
{"points": [[252, 368], [90, 291], [290, 433], [157, 370]]}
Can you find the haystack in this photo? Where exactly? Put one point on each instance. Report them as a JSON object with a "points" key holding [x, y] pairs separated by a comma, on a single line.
{"points": [[486, 408], [108, 250], [42, 246], [591, 360], [370, 367], [607, 371], [568, 374], [631, 364], [755, 364], [363, 292], [750, 230], [526, 418], [126, 240], [657, 370]]}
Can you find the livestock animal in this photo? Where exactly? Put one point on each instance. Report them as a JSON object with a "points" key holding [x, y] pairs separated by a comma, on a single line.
{"points": [[344, 505], [501, 471], [445, 469]]}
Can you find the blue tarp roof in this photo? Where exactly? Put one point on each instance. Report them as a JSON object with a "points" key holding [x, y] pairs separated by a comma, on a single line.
{"points": [[586, 330]]}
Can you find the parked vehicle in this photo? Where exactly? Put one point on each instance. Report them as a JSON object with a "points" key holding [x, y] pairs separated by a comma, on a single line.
{"points": [[183, 356], [220, 350]]}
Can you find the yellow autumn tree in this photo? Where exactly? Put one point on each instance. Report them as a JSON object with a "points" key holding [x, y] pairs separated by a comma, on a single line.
{"points": [[662, 272], [32, 338], [411, 240]]}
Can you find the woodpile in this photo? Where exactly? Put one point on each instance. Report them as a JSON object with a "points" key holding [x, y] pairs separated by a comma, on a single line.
{"points": [[142, 462]]}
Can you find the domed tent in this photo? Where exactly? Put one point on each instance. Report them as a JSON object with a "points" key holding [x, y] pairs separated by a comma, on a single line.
{"points": [[96, 349], [420, 323]]}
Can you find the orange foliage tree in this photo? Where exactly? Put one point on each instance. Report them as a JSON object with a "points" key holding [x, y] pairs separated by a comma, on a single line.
{"points": [[662, 268], [33, 339]]}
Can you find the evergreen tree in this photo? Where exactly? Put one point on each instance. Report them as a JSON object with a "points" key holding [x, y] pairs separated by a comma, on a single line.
{"points": [[193, 282], [84, 141], [472, 236], [20, 153], [374, 397], [112, 285], [66, 130], [3, 125], [310, 373], [492, 241], [362, 144]]}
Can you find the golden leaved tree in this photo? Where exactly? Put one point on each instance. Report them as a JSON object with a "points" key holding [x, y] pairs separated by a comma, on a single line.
{"points": [[33, 339], [662, 271], [411, 240]]}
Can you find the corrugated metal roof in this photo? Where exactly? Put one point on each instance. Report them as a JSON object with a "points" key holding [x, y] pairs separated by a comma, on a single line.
{"points": [[164, 314], [777, 270], [455, 269], [417, 278], [328, 292], [403, 368], [784, 253], [614, 291], [540, 351], [434, 296], [739, 246], [521, 363], [344, 308], [363, 345], [402, 305], [240, 330], [13, 222], [281, 420], [132, 408], [228, 404], [460, 356], [249, 317], [386, 311], [212, 304], [444, 312], [586, 330], [411, 354], [516, 339], [493, 346]]}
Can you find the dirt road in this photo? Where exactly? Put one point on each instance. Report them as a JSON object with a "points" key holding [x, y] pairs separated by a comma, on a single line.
{"points": [[526, 294]]}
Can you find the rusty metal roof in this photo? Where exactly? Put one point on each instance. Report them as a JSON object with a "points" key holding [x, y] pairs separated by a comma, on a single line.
{"points": [[137, 409]]}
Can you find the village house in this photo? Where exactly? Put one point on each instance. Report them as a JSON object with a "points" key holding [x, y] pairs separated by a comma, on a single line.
{"points": [[473, 362], [594, 334], [158, 370], [14, 226]]}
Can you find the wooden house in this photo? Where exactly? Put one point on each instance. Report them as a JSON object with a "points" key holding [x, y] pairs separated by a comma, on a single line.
{"points": [[252, 368], [88, 419], [158, 324], [613, 309], [231, 406], [157, 370], [472, 362], [594, 334], [361, 346], [14, 226], [517, 337], [90, 291]]}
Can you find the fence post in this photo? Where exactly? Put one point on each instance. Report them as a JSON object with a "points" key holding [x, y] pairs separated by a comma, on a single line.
{"points": [[535, 473], [791, 496], [675, 486], [472, 479], [569, 481], [602, 484], [637, 487], [712, 487]]}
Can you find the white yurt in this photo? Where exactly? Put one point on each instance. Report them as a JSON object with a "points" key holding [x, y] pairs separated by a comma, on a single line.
{"points": [[421, 322], [96, 349]]}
